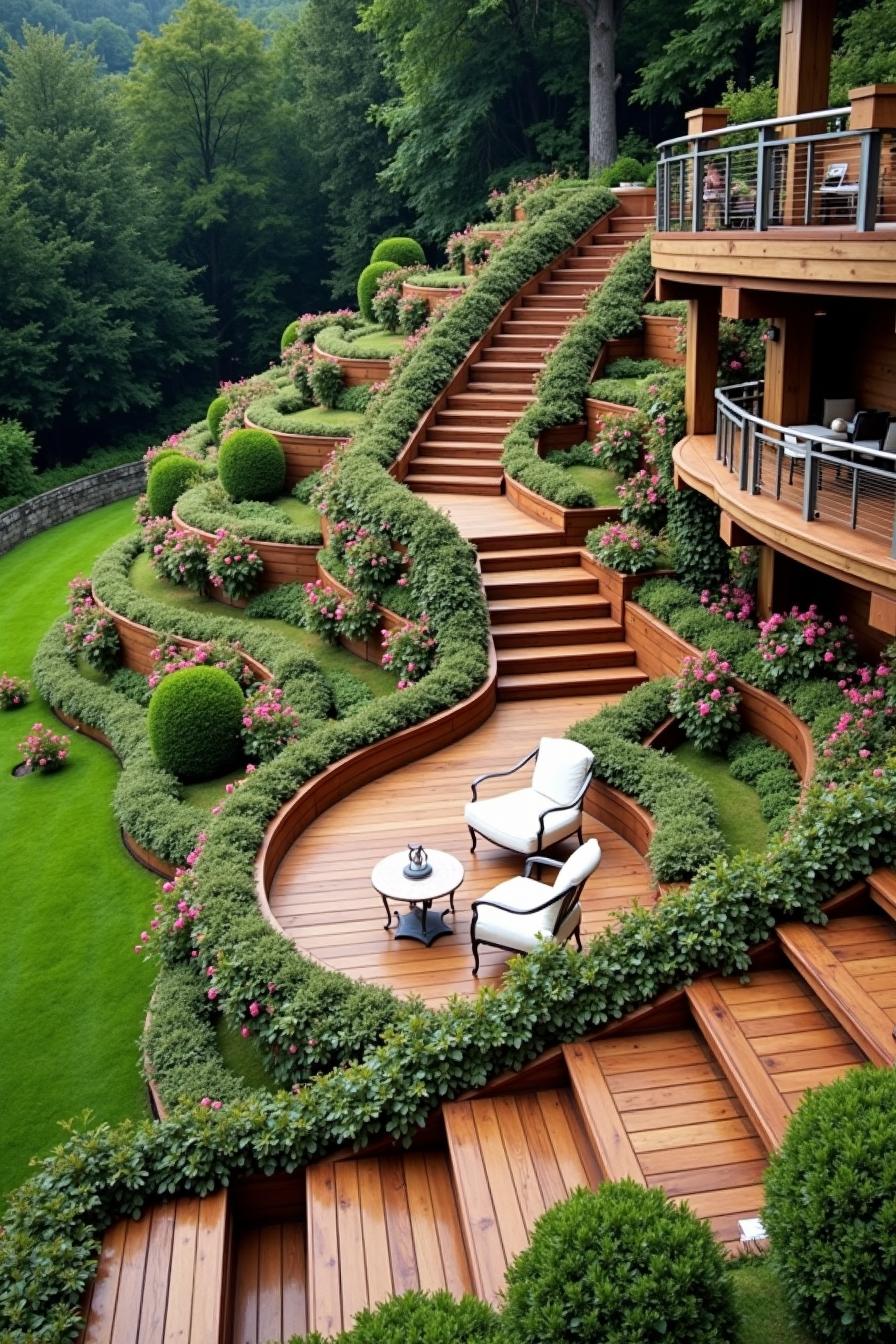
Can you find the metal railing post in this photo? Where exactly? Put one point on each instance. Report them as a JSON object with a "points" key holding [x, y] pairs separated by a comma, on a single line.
{"points": [[809, 485], [744, 464], [696, 190], [761, 182], [810, 173], [869, 181]]}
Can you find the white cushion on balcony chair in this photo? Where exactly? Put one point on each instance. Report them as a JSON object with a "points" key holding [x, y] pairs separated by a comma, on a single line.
{"points": [[520, 930], [561, 770]]}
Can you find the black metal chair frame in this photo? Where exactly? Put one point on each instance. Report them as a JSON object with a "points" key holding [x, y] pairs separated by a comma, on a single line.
{"points": [[560, 807], [568, 899]]}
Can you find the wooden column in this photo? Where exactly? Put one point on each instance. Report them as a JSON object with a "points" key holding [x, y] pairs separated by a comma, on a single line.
{"points": [[702, 361], [804, 71], [788, 368], [765, 583]]}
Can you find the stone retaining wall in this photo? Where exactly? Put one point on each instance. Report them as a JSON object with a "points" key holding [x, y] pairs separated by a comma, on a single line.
{"points": [[68, 501]]}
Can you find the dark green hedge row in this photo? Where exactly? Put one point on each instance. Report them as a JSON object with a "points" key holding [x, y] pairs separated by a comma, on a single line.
{"points": [[687, 822], [613, 310], [53, 1222], [208, 506], [180, 1039]]}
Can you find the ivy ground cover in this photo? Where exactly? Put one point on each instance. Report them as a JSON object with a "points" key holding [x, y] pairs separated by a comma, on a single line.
{"points": [[73, 994]]}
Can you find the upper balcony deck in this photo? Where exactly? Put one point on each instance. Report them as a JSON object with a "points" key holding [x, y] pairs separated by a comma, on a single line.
{"points": [[803, 202]]}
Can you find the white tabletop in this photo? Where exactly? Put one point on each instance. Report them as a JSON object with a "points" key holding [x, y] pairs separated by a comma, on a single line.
{"points": [[388, 879]]}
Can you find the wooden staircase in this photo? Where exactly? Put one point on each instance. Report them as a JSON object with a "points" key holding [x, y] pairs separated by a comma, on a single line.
{"points": [[691, 1097], [552, 630], [461, 452]]}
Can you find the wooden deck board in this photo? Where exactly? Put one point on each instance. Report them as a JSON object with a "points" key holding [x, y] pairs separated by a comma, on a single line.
{"points": [[322, 898]]}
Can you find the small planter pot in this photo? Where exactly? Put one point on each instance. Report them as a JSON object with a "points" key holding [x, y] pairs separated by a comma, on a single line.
{"points": [[23, 768]]}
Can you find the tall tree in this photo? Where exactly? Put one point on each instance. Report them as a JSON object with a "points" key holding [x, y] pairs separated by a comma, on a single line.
{"points": [[713, 46], [601, 19], [127, 319], [202, 99]]}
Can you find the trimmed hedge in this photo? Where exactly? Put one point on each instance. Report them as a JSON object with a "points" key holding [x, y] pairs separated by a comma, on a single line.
{"points": [[194, 723], [180, 1039], [687, 824], [251, 465], [264, 412], [400, 251], [368, 282], [613, 310], [339, 340], [215, 414], [290, 334], [208, 507], [169, 477], [419, 1318]]}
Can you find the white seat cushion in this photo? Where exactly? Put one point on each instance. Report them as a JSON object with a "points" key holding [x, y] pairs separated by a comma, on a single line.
{"points": [[521, 931], [561, 768], [512, 820], [890, 439]]}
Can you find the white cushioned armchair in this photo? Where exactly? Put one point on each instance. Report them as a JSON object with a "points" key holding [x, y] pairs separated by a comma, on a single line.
{"points": [[516, 913], [532, 819]]}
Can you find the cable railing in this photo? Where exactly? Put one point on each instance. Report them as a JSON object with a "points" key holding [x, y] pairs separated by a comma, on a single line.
{"points": [[823, 476], [805, 170]]}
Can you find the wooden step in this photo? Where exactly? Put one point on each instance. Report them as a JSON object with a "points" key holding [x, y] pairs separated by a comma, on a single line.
{"points": [[536, 558], [485, 387], [269, 1283], [521, 350], [611, 249], [524, 541], [561, 306], [882, 886], [512, 1158], [524, 634], [453, 485], [513, 403], [564, 607], [478, 452], [852, 968], [547, 581], [164, 1276], [487, 418], [437, 465], [593, 264], [567, 289], [520, 340], [566, 657], [583, 681], [774, 1038], [659, 1110], [536, 326], [378, 1227]]}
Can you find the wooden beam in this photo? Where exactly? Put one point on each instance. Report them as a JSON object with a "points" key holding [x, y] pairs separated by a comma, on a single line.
{"points": [[765, 583], [732, 533], [701, 361], [788, 368], [807, 35], [873, 107], [882, 614]]}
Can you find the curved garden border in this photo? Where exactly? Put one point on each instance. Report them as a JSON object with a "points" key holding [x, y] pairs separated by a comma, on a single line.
{"points": [[574, 524], [284, 562], [435, 295], [304, 453], [46, 510], [357, 372]]}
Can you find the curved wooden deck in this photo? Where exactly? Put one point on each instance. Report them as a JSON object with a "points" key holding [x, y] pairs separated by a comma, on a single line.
{"points": [[322, 898]]}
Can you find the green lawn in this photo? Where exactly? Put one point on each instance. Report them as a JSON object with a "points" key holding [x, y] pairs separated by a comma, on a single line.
{"points": [[764, 1314], [242, 1057], [329, 656], [741, 821], [600, 482], [317, 415], [304, 515], [376, 342], [72, 992]]}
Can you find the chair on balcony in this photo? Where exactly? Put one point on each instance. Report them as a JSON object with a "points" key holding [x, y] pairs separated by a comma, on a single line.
{"points": [[797, 438], [516, 913], [870, 432], [532, 819]]}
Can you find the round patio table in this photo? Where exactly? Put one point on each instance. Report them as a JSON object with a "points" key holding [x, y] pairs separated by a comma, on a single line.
{"points": [[421, 923]]}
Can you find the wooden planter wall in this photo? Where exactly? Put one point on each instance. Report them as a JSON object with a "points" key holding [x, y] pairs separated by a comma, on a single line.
{"points": [[137, 642], [435, 295], [370, 649], [573, 524], [660, 336], [356, 372], [283, 562], [304, 453]]}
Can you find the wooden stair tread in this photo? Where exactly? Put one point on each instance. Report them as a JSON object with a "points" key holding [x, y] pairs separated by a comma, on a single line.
{"points": [[378, 1227], [571, 605], [570, 681], [882, 886], [604, 654], [512, 1158], [516, 634], [845, 987], [541, 574], [269, 1283]]}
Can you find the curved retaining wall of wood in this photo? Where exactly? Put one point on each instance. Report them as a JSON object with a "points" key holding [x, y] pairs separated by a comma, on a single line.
{"points": [[596, 412], [660, 652], [371, 648], [283, 561], [661, 339], [304, 453], [343, 777], [575, 524], [435, 295], [357, 371]]}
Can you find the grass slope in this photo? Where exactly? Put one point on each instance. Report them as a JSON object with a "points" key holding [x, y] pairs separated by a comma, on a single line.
{"points": [[600, 482], [741, 821], [72, 993], [764, 1314]]}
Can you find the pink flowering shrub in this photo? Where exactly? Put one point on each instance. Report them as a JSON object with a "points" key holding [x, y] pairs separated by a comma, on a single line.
{"points": [[234, 565], [240, 394], [298, 361], [413, 313], [44, 750], [91, 633], [14, 692], [269, 724], [863, 736], [79, 589], [705, 701], [371, 560], [624, 547], [641, 497], [409, 652], [171, 932], [619, 442], [327, 382], [734, 603], [330, 615], [797, 644], [170, 657], [153, 532], [141, 509], [181, 557], [386, 303]]}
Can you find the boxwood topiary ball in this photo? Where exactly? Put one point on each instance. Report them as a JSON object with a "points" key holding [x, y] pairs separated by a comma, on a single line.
{"points": [[251, 465], [169, 476], [194, 722], [622, 1264], [830, 1208], [424, 1318], [367, 285], [290, 333], [215, 414], [403, 251]]}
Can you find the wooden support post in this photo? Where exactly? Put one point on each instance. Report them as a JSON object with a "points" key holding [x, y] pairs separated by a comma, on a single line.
{"points": [[702, 361], [807, 35], [788, 368], [765, 583]]}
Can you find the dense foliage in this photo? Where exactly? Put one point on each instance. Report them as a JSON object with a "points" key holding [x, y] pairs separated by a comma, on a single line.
{"points": [[194, 723], [251, 465], [421, 1318], [168, 478]]}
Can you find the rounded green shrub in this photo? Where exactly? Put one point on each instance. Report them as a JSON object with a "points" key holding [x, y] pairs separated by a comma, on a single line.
{"points": [[169, 476], [289, 335], [215, 414], [623, 1263], [830, 1208], [402, 251], [422, 1318], [367, 284], [624, 169], [251, 465], [194, 723]]}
